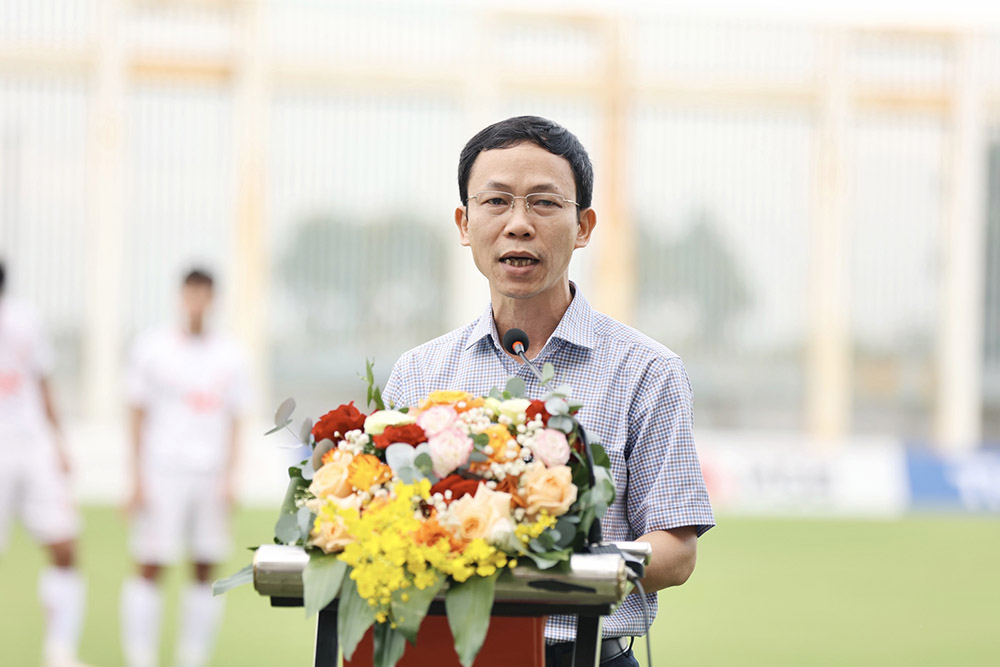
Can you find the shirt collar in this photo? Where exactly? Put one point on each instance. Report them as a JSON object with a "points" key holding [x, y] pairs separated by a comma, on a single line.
{"points": [[576, 326]]}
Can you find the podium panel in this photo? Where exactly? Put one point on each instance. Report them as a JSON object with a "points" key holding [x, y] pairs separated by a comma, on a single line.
{"points": [[509, 641]]}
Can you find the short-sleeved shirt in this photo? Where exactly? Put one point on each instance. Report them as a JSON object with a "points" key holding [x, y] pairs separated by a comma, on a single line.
{"points": [[191, 388], [637, 404], [25, 359]]}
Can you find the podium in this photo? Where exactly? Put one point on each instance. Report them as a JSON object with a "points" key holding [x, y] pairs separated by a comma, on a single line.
{"points": [[594, 586]]}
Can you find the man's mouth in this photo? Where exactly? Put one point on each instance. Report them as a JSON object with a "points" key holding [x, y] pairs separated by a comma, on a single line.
{"points": [[519, 261]]}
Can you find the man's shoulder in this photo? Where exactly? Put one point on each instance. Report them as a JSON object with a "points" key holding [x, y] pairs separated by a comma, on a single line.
{"points": [[621, 339], [443, 346]]}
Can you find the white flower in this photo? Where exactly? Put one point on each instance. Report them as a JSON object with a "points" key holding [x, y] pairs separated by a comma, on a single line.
{"points": [[551, 448], [449, 449], [437, 419], [377, 422]]}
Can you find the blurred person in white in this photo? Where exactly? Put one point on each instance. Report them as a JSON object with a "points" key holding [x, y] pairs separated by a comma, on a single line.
{"points": [[187, 389], [35, 474]]}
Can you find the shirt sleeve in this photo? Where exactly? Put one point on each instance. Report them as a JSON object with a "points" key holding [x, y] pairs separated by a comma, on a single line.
{"points": [[403, 386], [665, 484]]}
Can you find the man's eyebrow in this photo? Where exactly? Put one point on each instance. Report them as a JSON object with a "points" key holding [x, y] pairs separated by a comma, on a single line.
{"points": [[541, 187]]}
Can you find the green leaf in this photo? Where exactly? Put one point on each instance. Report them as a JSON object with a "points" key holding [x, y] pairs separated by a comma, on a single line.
{"points": [[468, 605], [601, 457], [409, 614], [476, 456], [424, 463], [304, 518], [374, 392], [548, 372], [480, 440], [244, 576], [495, 393], [321, 580], [515, 387], [389, 646], [286, 530], [354, 617], [567, 531], [305, 431]]}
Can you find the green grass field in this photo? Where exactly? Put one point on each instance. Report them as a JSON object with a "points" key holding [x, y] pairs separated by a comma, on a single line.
{"points": [[920, 591]]}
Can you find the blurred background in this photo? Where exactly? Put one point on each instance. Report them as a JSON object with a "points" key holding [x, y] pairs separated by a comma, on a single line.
{"points": [[802, 201]]}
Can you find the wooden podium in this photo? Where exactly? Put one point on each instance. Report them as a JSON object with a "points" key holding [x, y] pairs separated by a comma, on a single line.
{"points": [[594, 586]]}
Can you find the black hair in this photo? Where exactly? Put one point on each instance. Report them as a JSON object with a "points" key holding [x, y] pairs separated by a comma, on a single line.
{"points": [[542, 132], [3, 276], [199, 277]]}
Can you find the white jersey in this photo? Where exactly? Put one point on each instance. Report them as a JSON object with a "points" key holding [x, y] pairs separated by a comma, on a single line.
{"points": [[191, 389], [25, 359]]}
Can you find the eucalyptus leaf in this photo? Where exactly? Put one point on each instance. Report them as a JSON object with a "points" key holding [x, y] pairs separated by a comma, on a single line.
{"points": [[515, 387], [321, 581], [286, 530], [561, 423], [307, 469], [244, 576], [477, 456], [278, 427], [409, 614], [305, 431], [304, 518], [567, 531], [354, 617], [480, 440], [548, 372], [399, 455], [389, 646], [322, 447], [495, 393], [282, 416], [295, 485], [556, 406], [468, 605]]}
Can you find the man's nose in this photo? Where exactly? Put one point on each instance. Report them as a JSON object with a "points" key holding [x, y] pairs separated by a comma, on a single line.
{"points": [[519, 223]]}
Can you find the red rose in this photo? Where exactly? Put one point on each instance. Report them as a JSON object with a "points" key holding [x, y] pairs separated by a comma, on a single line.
{"points": [[343, 419], [409, 434], [537, 407], [458, 485]]}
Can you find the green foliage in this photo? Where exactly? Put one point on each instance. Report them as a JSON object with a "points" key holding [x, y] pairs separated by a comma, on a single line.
{"points": [[408, 614], [321, 580], [468, 605], [354, 617], [374, 391], [244, 576], [389, 646], [515, 388]]}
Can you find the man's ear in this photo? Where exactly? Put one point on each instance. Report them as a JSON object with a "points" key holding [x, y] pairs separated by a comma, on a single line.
{"points": [[462, 222], [585, 227]]}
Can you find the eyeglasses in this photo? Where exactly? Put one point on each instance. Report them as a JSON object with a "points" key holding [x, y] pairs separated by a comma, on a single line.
{"points": [[542, 204]]}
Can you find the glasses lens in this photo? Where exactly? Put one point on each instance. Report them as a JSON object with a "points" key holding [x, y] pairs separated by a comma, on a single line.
{"points": [[545, 204], [494, 203]]}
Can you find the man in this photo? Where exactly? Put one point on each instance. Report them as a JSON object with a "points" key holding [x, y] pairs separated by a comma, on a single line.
{"points": [[526, 185], [34, 474], [187, 389]]}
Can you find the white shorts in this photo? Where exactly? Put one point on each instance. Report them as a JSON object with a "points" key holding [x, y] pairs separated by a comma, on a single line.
{"points": [[36, 490], [184, 514]]}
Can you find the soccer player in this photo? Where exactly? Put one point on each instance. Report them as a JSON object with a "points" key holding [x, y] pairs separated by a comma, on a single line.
{"points": [[525, 186], [34, 474], [187, 389]]}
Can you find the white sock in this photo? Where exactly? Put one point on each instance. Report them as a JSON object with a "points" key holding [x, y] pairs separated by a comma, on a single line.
{"points": [[141, 608], [200, 617], [63, 595]]}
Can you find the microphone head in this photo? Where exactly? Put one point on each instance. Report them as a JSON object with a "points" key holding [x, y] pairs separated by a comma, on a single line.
{"points": [[512, 337]]}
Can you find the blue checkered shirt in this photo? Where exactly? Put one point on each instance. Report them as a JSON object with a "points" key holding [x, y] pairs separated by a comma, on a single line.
{"points": [[637, 404]]}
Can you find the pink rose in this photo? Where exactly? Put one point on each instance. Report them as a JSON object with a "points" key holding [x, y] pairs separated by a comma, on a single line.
{"points": [[551, 448], [449, 449], [437, 419]]}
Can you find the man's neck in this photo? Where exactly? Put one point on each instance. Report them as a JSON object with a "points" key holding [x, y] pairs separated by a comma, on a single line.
{"points": [[537, 316]]}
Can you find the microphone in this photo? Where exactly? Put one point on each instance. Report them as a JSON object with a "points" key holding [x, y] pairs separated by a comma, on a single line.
{"points": [[515, 342]]}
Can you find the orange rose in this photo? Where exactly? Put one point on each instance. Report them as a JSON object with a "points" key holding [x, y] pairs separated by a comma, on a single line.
{"points": [[481, 515], [366, 471], [549, 489], [329, 532], [445, 397], [431, 532], [499, 437], [330, 481]]}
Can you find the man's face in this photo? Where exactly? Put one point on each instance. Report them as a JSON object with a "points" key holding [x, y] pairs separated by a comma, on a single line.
{"points": [[523, 254], [196, 298]]}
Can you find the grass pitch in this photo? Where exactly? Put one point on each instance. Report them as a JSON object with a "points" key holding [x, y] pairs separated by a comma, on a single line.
{"points": [[919, 591]]}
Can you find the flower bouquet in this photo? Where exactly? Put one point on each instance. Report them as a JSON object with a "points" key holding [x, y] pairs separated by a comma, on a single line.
{"points": [[408, 502]]}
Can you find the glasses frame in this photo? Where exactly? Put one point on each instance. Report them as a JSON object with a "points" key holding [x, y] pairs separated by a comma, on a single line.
{"points": [[514, 198]]}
